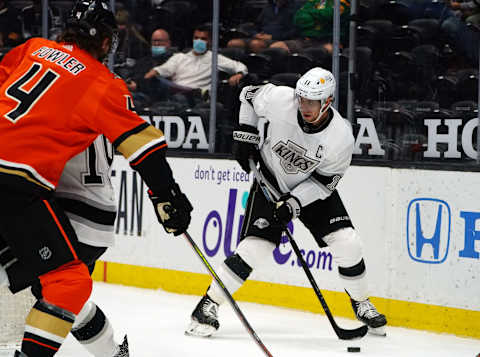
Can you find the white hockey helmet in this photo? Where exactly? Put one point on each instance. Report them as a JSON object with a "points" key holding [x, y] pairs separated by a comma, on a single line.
{"points": [[317, 84]]}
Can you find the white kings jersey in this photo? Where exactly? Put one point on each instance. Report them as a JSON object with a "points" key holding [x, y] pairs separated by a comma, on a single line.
{"points": [[306, 165], [87, 196]]}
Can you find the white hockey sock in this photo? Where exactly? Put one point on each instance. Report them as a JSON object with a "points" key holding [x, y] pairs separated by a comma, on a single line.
{"points": [[229, 279], [357, 288], [234, 271], [3, 277], [93, 330], [346, 248]]}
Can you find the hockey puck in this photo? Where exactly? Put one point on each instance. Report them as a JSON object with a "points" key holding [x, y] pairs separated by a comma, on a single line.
{"points": [[353, 349]]}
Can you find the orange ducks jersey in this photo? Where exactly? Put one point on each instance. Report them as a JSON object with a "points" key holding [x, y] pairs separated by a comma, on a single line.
{"points": [[55, 99]]}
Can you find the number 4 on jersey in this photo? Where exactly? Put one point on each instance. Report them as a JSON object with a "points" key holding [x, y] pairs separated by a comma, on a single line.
{"points": [[27, 98]]}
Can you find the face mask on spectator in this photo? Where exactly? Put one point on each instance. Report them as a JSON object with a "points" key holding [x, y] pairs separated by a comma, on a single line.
{"points": [[199, 46], [158, 50]]}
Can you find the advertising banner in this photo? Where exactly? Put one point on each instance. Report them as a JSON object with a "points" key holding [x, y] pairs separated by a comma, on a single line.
{"points": [[423, 139], [420, 229], [218, 190]]}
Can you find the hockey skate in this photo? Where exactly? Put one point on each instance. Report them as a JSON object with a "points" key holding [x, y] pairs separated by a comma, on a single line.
{"points": [[204, 319], [368, 314], [123, 349]]}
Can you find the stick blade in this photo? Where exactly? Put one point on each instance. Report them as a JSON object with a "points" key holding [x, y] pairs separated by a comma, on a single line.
{"points": [[352, 334]]}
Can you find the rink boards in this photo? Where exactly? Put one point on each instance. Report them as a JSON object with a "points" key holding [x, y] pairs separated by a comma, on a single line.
{"points": [[420, 228]]}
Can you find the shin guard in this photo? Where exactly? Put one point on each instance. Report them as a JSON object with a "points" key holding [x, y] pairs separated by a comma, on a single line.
{"points": [[236, 269], [46, 328], [93, 330]]}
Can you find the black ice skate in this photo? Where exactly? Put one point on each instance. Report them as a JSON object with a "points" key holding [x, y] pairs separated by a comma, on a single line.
{"points": [[368, 314], [204, 319], [123, 349]]}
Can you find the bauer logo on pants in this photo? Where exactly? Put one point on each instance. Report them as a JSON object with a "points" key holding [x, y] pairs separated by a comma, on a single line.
{"points": [[429, 222]]}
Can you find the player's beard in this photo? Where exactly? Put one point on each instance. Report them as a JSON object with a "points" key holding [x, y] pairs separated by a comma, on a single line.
{"points": [[104, 56]]}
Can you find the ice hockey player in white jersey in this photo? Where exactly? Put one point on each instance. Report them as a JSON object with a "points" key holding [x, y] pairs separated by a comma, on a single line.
{"points": [[303, 147], [88, 198]]}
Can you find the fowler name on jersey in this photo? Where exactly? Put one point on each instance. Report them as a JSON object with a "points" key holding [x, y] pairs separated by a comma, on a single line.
{"points": [[62, 59], [83, 99]]}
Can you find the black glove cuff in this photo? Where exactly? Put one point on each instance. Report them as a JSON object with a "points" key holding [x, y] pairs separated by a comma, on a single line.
{"points": [[247, 134]]}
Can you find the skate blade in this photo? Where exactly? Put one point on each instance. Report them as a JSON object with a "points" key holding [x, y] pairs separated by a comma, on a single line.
{"points": [[377, 331], [197, 329]]}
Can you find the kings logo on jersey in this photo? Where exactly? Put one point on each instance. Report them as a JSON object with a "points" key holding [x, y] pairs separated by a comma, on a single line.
{"points": [[293, 157]]}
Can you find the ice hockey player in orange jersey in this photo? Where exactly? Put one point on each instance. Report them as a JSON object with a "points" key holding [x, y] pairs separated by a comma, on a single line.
{"points": [[55, 99]]}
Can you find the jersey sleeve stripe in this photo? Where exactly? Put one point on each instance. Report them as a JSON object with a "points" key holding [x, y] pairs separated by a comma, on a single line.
{"points": [[327, 181], [137, 143], [321, 185], [124, 136], [145, 149], [80, 197], [88, 212], [159, 146]]}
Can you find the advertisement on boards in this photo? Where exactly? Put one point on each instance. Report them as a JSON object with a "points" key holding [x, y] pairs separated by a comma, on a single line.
{"points": [[218, 190], [420, 230], [439, 238]]}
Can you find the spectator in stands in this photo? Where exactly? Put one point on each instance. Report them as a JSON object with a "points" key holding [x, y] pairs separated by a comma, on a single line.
{"points": [[467, 10], [274, 23], [160, 53], [10, 25], [315, 23], [32, 20], [466, 38], [190, 72], [131, 43]]}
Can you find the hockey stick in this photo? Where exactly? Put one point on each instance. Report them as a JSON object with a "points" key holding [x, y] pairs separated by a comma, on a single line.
{"points": [[230, 299], [342, 334]]}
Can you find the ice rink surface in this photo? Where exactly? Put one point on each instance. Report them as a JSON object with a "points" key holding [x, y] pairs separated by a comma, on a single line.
{"points": [[155, 322]]}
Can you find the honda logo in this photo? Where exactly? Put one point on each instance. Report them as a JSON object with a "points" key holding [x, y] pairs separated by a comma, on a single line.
{"points": [[428, 230]]}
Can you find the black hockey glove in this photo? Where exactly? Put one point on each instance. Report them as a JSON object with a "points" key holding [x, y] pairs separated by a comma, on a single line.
{"points": [[245, 141], [286, 209], [173, 209]]}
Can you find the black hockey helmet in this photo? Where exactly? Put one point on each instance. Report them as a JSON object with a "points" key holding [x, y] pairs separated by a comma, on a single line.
{"points": [[94, 19]]}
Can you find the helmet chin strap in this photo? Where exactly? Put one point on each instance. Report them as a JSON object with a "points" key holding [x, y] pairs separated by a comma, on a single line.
{"points": [[316, 120], [313, 124], [320, 114]]}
